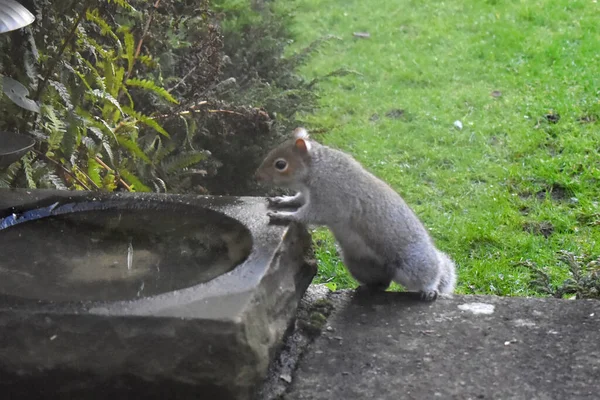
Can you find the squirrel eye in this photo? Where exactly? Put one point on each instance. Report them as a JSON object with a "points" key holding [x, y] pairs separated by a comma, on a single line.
{"points": [[281, 165]]}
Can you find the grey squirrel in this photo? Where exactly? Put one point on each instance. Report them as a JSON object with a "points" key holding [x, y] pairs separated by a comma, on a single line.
{"points": [[381, 238]]}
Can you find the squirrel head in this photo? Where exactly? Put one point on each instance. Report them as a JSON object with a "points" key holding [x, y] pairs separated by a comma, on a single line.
{"points": [[287, 164]]}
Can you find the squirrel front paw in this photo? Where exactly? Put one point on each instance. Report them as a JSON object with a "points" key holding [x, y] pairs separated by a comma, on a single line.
{"points": [[281, 216], [275, 201], [284, 201]]}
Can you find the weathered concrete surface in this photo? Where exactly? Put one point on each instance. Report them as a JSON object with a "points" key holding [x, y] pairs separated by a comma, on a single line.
{"points": [[392, 346], [211, 340]]}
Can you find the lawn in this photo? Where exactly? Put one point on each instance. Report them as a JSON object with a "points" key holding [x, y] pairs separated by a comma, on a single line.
{"points": [[521, 179]]}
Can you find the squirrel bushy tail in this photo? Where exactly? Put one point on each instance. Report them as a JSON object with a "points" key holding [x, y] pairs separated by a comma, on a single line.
{"points": [[447, 274]]}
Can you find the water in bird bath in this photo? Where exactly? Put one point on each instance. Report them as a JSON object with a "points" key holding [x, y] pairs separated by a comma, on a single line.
{"points": [[118, 254]]}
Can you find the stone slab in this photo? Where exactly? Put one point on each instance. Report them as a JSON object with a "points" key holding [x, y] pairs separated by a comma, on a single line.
{"points": [[392, 346]]}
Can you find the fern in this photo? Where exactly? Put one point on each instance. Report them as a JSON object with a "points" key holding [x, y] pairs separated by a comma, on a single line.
{"points": [[110, 181], [27, 167], [124, 4], [147, 60], [146, 120], [164, 151], [149, 85], [62, 91], [89, 143], [8, 176], [129, 48], [105, 28], [134, 181], [71, 137], [55, 128], [94, 171], [133, 148], [127, 128], [183, 160], [56, 181], [99, 94]]}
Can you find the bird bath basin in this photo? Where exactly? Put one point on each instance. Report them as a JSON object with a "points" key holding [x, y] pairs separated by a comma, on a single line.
{"points": [[116, 250], [133, 295]]}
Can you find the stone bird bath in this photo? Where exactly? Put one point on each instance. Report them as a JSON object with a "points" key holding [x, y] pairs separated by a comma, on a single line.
{"points": [[143, 295]]}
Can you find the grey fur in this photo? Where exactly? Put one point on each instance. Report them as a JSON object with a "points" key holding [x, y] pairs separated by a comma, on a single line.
{"points": [[381, 238]]}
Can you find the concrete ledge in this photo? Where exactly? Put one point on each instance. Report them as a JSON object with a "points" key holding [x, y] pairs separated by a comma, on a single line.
{"points": [[392, 346]]}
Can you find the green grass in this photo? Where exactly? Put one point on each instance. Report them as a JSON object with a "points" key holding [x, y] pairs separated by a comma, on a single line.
{"points": [[486, 190]]}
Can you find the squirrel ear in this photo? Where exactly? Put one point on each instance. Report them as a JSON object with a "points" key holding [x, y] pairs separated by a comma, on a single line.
{"points": [[300, 133], [302, 145]]}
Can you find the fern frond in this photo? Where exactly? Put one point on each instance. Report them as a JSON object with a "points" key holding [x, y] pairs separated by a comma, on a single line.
{"points": [[124, 4], [105, 143], [28, 168], [149, 85], [119, 75], [94, 171], [109, 75], [83, 79], [182, 161], [163, 152], [105, 29], [40, 172], [129, 47], [103, 126], [190, 131], [55, 128], [133, 181], [71, 137], [147, 60], [63, 92], [133, 148], [89, 143], [109, 152], [129, 128], [159, 182], [8, 176], [145, 120], [56, 181], [126, 92], [110, 182], [103, 95]]}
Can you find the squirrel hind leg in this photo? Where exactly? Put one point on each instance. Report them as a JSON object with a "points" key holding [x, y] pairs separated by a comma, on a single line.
{"points": [[429, 295], [370, 274], [373, 287]]}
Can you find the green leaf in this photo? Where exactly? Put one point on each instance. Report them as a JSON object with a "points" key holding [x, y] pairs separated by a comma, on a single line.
{"points": [[94, 171], [123, 3], [105, 29], [147, 61], [129, 48], [29, 170], [149, 85], [70, 139], [54, 126], [133, 148], [99, 94], [146, 120], [127, 128], [109, 74], [183, 160], [134, 181], [7, 177]]}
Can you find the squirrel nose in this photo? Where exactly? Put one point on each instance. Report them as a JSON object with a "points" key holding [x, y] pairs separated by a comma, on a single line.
{"points": [[258, 176]]}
